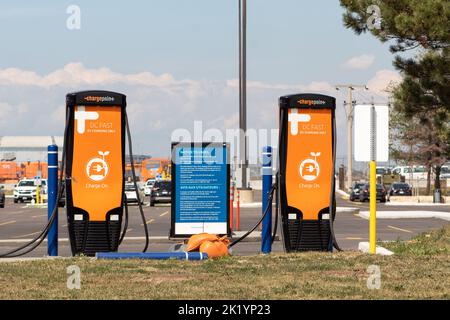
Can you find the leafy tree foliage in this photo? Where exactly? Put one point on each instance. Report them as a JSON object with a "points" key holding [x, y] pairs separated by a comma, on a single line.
{"points": [[422, 100]]}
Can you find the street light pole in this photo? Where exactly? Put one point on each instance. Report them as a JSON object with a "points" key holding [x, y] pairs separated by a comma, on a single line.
{"points": [[349, 106], [243, 91]]}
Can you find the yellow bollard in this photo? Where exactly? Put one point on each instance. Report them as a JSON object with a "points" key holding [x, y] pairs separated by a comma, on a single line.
{"points": [[373, 207], [38, 194]]}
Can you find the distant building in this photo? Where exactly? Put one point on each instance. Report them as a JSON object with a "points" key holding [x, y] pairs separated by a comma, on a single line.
{"points": [[27, 148]]}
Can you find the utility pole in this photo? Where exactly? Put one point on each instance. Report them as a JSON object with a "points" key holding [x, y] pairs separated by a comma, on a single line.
{"points": [[349, 105], [243, 93]]}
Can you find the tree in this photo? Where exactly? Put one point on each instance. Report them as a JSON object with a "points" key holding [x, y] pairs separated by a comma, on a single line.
{"points": [[409, 23], [416, 141], [422, 99], [425, 117]]}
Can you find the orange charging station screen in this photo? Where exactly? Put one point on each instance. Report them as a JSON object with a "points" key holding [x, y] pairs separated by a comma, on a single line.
{"points": [[97, 160], [309, 166]]}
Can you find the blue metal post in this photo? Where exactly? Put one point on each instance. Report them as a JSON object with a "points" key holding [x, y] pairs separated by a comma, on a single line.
{"points": [[52, 246], [266, 236]]}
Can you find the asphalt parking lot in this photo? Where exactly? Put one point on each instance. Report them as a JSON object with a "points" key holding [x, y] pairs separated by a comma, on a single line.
{"points": [[19, 223]]}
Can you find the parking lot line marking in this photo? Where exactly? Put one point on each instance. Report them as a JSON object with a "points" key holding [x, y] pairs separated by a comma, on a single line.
{"points": [[163, 214], [148, 222], [39, 216], [400, 229], [154, 238], [7, 222], [353, 238], [27, 235]]}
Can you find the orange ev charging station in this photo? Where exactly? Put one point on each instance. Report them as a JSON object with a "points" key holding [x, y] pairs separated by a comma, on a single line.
{"points": [[95, 158], [306, 171]]}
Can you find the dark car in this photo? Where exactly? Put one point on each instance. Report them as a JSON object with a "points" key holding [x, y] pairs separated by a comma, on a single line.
{"points": [[2, 197], [364, 194], [400, 189], [161, 192], [354, 194]]}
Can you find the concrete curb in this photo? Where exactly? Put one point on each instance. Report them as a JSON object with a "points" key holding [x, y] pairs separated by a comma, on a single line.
{"points": [[37, 206], [255, 236], [365, 247], [342, 193], [407, 215], [250, 205], [347, 210], [27, 259], [425, 204]]}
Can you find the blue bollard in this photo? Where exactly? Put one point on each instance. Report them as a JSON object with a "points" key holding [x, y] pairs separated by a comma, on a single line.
{"points": [[266, 236], [52, 237]]}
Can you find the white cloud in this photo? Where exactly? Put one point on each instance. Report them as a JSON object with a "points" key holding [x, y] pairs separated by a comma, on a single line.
{"points": [[382, 81], [75, 74], [316, 86], [361, 62], [33, 104]]}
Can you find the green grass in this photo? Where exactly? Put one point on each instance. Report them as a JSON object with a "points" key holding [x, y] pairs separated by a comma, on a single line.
{"points": [[420, 269], [426, 244]]}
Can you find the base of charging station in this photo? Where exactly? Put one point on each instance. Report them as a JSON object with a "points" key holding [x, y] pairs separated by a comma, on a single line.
{"points": [[308, 235], [95, 236]]}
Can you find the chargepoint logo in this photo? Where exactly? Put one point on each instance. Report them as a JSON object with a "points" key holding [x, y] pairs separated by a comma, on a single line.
{"points": [[99, 99], [294, 118], [97, 169], [309, 102], [81, 115], [310, 168]]}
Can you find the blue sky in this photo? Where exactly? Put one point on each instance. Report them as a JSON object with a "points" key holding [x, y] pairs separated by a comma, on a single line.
{"points": [[291, 44], [288, 40]]}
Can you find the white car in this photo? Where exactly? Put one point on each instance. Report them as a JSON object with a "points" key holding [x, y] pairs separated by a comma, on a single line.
{"points": [[413, 172], [131, 195], [26, 190], [445, 172], [148, 187]]}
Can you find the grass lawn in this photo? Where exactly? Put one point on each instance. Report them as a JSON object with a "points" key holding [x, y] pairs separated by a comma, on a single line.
{"points": [[420, 269]]}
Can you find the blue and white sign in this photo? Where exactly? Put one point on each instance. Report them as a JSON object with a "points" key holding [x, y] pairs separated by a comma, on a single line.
{"points": [[200, 174]]}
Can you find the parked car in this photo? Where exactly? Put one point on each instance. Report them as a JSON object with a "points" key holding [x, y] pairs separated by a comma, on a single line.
{"points": [[161, 192], [26, 190], [414, 172], [354, 192], [445, 172], [131, 193], [380, 171], [400, 189], [148, 186], [364, 194], [2, 197]]}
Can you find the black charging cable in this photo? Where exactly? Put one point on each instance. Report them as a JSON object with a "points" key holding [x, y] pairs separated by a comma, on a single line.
{"points": [[34, 243], [269, 204], [332, 196], [125, 226], [130, 148], [277, 199]]}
